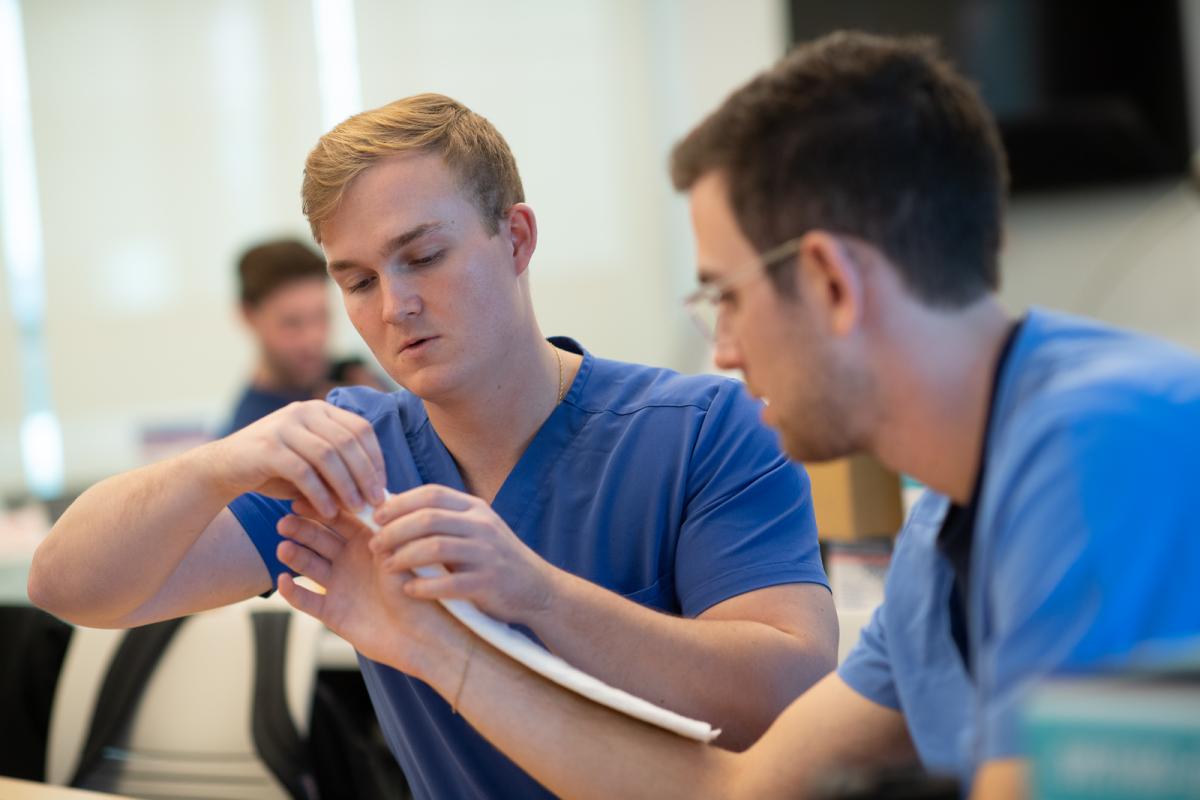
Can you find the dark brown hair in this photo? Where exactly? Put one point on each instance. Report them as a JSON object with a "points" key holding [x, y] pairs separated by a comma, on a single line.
{"points": [[268, 266], [878, 138]]}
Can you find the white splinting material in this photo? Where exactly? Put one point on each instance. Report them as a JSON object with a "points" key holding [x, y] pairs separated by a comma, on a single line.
{"points": [[520, 648]]}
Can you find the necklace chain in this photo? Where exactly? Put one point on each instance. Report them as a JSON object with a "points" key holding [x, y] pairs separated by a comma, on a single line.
{"points": [[562, 389]]}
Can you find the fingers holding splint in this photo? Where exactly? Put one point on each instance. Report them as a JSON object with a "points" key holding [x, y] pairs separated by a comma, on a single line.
{"points": [[359, 601], [488, 563], [310, 545]]}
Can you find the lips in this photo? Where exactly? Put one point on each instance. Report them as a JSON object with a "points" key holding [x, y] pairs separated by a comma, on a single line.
{"points": [[416, 342]]}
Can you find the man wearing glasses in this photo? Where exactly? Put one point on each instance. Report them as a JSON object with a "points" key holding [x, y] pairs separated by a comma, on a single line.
{"points": [[643, 524], [847, 206]]}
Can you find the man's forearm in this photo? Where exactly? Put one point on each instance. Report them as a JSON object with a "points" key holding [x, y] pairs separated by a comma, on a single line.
{"points": [[736, 674], [579, 749], [576, 748], [119, 542]]}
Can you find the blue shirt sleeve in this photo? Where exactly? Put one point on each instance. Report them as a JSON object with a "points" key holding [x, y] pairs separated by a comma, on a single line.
{"points": [[868, 668], [1093, 555], [871, 666], [259, 514], [749, 519]]}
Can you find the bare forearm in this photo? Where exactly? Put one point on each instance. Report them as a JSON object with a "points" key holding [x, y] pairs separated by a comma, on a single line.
{"points": [[121, 539], [579, 749], [736, 674], [1005, 778], [574, 747]]}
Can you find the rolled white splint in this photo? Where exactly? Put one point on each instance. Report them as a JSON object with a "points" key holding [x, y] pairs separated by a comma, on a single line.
{"points": [[520, 648]]}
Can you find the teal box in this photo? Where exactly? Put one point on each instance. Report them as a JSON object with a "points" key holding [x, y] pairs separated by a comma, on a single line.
{"points": [[1115, 739]]}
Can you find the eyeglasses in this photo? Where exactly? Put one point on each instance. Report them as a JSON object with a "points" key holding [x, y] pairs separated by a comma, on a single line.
{"points": [[704, 305]]}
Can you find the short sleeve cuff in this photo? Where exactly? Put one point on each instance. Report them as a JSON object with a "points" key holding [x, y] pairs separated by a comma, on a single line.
{"points": [[1000, 733], [258, 516], [866, 669], [749, 579]]}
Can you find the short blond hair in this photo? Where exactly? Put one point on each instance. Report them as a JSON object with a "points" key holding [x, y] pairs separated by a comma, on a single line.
{"points": [[471, 147]]}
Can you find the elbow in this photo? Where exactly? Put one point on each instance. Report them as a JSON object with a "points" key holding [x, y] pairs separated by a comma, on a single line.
{"points": [[48, 588], [816, 653], [52, 588], [40, 585], [806, 662], [822, 660]]}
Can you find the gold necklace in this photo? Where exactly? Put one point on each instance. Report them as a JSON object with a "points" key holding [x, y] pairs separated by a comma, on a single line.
{"points": [[562, 389]]}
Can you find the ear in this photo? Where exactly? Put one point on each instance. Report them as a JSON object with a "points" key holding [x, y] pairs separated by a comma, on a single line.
{"points": [[520, 228], [830, 281]]}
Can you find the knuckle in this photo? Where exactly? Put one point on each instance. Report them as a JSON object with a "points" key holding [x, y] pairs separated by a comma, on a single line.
{"points": [[485, 526], [295, 469], [298, 410], [326, 454], [312, 486], [438, 548]]}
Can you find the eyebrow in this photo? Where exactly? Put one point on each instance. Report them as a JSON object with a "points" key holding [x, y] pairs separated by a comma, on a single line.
{"points": [[392, 245]]}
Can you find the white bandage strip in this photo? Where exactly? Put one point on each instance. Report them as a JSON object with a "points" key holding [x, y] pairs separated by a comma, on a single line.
{"points": [[520, 648]]}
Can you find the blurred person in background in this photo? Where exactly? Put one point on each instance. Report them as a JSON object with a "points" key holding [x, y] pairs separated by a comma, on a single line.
{"points": [[284, 294]]}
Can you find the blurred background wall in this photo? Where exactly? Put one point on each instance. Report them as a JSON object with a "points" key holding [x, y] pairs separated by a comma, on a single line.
{"points": [[170, 135], [167, 135]]}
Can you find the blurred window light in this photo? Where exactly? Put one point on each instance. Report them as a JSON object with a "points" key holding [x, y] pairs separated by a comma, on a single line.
{"points": [[21, 239], [337, 60], [41, 450]]}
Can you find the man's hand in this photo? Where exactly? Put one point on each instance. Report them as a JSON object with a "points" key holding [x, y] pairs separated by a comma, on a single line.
{"points": [[488, 564], [311, 450], [363, 604]]}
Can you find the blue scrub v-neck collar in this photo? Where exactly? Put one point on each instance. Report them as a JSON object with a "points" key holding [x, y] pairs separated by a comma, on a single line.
{"points": [[518, 494]]}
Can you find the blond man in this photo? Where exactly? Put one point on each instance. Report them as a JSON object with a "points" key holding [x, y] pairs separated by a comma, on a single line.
{"points": [[641, 523]]}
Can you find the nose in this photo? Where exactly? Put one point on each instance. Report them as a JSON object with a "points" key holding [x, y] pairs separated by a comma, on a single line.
{"points": [[400, 300], [725, 354]]}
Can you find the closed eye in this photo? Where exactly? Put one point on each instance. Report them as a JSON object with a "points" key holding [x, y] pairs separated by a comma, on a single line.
{"points": [[432, 258], [358, 286]]}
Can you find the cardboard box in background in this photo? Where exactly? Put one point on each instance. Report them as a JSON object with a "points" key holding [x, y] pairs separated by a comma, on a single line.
{"points": [[855, 498]]}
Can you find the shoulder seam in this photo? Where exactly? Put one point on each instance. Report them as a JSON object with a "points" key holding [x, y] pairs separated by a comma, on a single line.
{"points": [[720, 382]]}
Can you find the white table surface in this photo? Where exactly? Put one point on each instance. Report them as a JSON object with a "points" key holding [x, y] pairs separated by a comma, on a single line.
{"points": [[13, 789]]}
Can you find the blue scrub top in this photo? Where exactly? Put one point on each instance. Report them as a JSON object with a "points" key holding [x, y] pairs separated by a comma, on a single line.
{"points": [[255, 403], [664, 488], [1085, 550]]}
